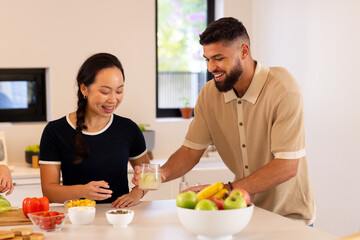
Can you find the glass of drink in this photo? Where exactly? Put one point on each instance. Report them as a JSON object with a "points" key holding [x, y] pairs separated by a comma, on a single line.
{"points": [[183, 186], [150, 177]]}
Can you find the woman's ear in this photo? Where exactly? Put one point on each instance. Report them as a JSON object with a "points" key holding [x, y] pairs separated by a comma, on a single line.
{"points": [[83, 89]]}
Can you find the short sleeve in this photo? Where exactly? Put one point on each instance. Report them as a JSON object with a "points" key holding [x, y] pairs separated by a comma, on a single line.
{"points": [[287, 133], [198, 135], [138, 147], [49, 152]]}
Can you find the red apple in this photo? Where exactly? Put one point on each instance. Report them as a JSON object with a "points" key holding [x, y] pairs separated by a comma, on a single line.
{"points": [[241, 193], [218, 201]]}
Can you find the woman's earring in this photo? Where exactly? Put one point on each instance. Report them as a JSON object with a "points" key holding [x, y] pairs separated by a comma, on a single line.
{"points": [[85, 97]]}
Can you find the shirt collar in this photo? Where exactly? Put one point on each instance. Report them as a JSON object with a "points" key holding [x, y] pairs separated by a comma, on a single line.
{"points": [[257, 83]]}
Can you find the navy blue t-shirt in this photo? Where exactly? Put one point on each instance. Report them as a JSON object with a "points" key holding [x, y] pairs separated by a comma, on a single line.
{"points": [[109, 152]]}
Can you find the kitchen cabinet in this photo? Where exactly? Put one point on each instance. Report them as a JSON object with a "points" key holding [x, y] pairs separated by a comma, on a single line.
{"points": [[31, 187], [23, 188], [168, 190], [207, 171]]}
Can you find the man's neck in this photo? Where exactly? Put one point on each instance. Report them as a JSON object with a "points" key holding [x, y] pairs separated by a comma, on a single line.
{"points": [[243, 84]]}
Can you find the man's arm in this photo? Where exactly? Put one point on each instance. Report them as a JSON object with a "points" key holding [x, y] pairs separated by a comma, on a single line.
{"points": [[271, 175], [180, 162]]}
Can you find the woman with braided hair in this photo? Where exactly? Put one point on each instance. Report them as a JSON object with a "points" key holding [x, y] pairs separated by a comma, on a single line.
{"points": [[91, 147]]}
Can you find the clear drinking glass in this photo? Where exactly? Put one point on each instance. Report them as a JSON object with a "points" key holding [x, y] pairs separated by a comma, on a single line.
{"points": [[150, 177], [185, 185]]}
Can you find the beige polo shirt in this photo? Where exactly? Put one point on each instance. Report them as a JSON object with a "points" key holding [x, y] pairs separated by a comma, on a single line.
{"points": [[249, 132]]}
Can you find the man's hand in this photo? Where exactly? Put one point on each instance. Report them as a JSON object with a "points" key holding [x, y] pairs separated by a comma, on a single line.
{"points": [[196, 189]]}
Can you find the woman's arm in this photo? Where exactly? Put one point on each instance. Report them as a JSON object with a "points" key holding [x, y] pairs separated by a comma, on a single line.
{"points": [[51, 187], [134, 196], [142, 160]]}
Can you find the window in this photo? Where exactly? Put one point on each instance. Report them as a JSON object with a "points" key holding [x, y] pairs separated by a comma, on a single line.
{"points": [[181, 69], [22, 95]]}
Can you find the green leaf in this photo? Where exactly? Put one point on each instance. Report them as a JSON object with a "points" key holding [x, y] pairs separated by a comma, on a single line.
{"points": [[143, 126], [6, 209], [4, 202]]}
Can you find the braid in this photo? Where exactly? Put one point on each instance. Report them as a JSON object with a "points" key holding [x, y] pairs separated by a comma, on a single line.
{"points": [[81, 146], [85, 77]]}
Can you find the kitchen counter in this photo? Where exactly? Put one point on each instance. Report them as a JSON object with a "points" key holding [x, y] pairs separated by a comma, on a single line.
{"points": [[158, 220]]}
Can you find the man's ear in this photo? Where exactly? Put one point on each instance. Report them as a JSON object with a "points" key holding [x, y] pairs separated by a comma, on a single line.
{"points": [[244, 51]]}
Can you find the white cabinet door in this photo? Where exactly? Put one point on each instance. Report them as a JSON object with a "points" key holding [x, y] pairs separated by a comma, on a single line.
{"points": [[23, 191], [168, 190]]}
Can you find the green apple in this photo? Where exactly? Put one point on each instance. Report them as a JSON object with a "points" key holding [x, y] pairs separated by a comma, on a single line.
{"points": [[186, 200], [206, 204], [233, 202], [240, 192]]}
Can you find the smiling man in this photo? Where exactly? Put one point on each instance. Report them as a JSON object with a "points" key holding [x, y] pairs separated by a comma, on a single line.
{"points": [[254, 116]]}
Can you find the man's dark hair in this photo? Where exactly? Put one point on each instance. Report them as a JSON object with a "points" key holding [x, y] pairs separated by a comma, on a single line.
{"points": [[227, 29]]}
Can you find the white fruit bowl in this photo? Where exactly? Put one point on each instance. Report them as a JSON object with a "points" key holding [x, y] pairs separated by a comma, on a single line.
{"points": [[221, 224]]}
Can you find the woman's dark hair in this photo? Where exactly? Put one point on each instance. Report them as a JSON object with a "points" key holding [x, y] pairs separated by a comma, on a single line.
{"points": [[227, 29], [86, 75]]}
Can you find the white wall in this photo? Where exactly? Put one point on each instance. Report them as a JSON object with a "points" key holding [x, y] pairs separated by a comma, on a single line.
{"points": [[318, 41], [60, 35]]}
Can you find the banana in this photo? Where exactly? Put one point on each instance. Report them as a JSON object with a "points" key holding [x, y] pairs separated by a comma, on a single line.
{"points": [[221, 194], [209, 191]]}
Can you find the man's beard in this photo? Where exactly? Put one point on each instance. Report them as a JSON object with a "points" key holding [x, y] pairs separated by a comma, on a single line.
{"points": [[231, 79]]}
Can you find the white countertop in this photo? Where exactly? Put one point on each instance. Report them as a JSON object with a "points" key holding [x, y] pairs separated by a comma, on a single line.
{"points": [[158, 220]]}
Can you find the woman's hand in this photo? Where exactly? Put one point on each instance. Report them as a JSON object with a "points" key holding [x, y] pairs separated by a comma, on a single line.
{"points": [[130, 199], [97, 190], [6, 184]]}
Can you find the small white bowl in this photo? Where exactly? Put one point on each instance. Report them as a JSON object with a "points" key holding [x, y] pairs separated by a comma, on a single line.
{"points": [[120, 217], [221, 224], [81, 215]]}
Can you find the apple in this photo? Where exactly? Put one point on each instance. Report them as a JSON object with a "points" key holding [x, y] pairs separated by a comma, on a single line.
{"points": [[234, 202], [186, 200], [240, 192], [218, 201], [206, 204]]}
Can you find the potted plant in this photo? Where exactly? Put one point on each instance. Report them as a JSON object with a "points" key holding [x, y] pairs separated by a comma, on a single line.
{"points": [[32, 155], [149, 136], [186, 111]]}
